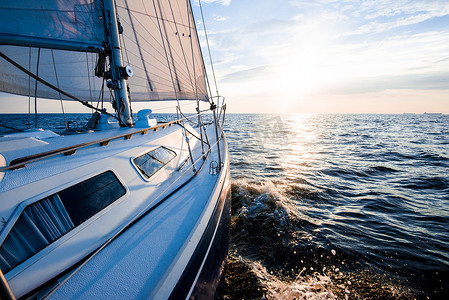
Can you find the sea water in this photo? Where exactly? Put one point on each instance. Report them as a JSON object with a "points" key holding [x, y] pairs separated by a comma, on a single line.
{"points": [[339, 206], [333, 206]]}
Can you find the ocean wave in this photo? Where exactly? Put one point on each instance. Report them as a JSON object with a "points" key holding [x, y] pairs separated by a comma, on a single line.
{"points": [[278, 252]]}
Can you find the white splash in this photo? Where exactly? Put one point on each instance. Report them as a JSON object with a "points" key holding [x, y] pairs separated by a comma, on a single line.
{"points": [[315, 287]]}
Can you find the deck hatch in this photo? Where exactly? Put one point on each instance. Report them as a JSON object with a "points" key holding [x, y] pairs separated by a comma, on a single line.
{"points": [[151, 162], [43, 222]]}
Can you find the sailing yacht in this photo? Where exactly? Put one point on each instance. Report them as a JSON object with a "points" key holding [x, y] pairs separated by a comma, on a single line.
{"points": [[126, 206]]}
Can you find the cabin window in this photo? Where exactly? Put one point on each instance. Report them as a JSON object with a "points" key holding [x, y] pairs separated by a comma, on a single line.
{"points": [[44, 221], [153, 161]]}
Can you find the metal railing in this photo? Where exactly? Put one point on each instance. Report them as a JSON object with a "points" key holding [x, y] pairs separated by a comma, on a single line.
{"points": [[69, 150]]}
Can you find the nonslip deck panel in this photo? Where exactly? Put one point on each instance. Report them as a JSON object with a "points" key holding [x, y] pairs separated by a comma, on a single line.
{"points": [[209, 255]]}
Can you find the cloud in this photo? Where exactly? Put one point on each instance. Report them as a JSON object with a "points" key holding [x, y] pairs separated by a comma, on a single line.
{"points": [[384, 15], [219, 18], [222, 2], [248, 37], [248, 74], [304, 49], [373, 84], [378, 16]]}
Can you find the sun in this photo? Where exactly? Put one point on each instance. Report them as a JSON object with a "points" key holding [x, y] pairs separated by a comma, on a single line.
{"points": [[302, 65]]}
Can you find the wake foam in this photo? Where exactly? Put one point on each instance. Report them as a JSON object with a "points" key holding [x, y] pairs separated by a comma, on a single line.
{"points": [[276, 252]]}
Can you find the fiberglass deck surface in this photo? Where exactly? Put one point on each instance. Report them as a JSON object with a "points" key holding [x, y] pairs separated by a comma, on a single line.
{"points": [[135, 262]]}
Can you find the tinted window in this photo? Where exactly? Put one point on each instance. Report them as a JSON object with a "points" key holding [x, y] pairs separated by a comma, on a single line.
{"points": [[44, 221], [153, 161], [85, 199]]}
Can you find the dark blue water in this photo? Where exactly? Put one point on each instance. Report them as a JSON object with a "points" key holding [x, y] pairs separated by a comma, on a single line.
{"points": [[358, 205], [335, 206]]}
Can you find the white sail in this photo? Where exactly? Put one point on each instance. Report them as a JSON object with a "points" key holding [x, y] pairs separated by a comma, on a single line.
{"points": [[52, 23], [72, 72], [55, 38], [160, 43]]}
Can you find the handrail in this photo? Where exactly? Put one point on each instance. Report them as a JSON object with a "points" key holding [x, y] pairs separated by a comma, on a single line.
{"points": [[69, 150], [21, 162]]}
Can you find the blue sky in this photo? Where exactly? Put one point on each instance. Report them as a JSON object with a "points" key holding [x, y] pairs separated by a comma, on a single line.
{"points": [[324, 56], [330, 56]]}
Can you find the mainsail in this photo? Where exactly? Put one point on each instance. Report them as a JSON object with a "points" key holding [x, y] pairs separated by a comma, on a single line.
{"points": [[63, 42]]}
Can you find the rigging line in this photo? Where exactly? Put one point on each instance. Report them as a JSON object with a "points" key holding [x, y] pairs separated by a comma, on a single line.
{"points": [[187, 140], [208, 89], [35, 87], [12, 128], [93, 62], [195, 87], [143, 99], [169, 107], [57, 84], [88, 79], [168, 64], [208, 47], [122, 40], [189, 13], [138, 47], [191, 21], [29, 90], [183, 115], [101, 95], [37, 78]]}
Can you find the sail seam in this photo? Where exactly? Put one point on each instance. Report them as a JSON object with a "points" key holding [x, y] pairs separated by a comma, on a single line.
{"points": [[138, 46]]}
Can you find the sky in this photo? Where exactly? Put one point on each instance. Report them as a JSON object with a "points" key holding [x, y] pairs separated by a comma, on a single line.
{"points": [[330, 56], [325, 56]]}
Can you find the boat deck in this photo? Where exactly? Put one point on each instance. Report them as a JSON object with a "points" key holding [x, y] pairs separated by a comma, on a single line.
{"points": [[147, 259], [154, 243], [150, 256]]}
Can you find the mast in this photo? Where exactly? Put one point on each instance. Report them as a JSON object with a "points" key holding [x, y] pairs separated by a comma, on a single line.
{"points": [[118, 73]]}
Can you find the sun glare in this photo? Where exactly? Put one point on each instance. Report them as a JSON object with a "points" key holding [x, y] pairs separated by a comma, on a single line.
{"points": [[299, 65]]}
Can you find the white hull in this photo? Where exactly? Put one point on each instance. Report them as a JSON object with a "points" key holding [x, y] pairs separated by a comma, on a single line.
{"points": [[140, 246]]}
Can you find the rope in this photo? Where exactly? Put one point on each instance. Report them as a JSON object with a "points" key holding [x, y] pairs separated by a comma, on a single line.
{"points": [[88, 77], [190, 13], [57, 83], [208, 47], [101, 62], [35, 87], [12, 128], [37, 78], [29, 91]]}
